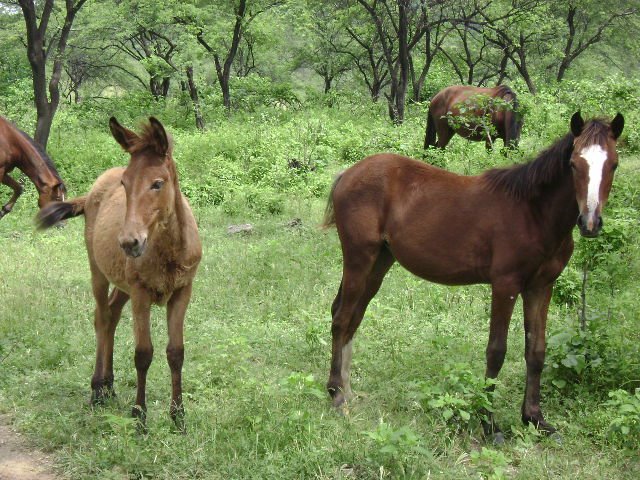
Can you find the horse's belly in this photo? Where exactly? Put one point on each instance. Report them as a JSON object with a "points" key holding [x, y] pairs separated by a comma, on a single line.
{"points": [[443, 260], [445, 273]]}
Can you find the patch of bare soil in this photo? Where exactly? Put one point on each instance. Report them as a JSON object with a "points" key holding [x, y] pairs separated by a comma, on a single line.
{"points": [[19, 461]]}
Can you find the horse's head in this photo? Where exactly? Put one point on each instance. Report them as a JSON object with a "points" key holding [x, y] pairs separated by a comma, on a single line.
{"points": [[593, 162], [148, 182], [52, 191]]}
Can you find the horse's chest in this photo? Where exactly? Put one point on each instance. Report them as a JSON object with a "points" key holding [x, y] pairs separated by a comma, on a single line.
{"points": [[159, 278]]}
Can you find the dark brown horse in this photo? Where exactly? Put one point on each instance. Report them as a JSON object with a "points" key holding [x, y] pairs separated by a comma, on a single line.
{"points": [[449, 102], [18, 150], [508, 227], [142, 238]]}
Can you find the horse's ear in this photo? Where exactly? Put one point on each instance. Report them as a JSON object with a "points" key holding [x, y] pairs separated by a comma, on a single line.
{"points": [[617, 124], [159, 135], [123, 136], [577, 124]]}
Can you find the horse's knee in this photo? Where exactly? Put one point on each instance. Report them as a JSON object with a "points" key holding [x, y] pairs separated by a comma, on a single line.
{"points": [[495, 357], [142, 358], [535, 361], [175, 358]]}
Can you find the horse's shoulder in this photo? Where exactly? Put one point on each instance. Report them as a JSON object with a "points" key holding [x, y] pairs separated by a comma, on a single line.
{"points": [[106, 185]]}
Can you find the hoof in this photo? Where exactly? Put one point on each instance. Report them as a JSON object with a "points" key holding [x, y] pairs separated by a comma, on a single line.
{"points": [[497, 439], [556, 438], [140, 413], [177, 415], [100, 394], [540, 425]]}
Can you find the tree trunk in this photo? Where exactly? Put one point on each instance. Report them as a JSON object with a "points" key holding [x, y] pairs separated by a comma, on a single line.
{"points": [[327, 83], [522, 66], [193, 93], [46, 106], [403, 59]]}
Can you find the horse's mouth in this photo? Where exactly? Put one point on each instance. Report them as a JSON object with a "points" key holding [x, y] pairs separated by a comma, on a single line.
{"points": [[135, 251]]}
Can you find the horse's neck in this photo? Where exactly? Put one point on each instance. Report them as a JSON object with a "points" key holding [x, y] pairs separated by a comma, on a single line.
{"points": [[177, 229], [31, 165], [559, 210]]}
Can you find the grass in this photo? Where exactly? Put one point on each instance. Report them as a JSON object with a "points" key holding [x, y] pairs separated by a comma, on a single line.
{"points": [[257, 357], [258, 328]]}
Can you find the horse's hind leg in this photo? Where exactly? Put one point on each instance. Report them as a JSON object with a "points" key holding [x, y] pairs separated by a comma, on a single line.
{"points": [[117, 300], [364, 270], [176, 309], [17, 191], [380, 268], [102, 321]]}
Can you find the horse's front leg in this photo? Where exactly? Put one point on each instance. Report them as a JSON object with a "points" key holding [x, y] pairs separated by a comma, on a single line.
{"points": [[503, 299], [176, 309], [17, 191], [536, 305], [141, 310]]}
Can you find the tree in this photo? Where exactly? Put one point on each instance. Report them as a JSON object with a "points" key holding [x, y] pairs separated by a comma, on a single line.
{"points": [[586, 26], [38, 51], [209, 22], [325, 42], [517, 29]]}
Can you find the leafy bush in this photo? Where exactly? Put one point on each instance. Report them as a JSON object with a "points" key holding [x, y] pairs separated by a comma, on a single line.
{"points": [[393, 447], [490, 463], [625, 427], [461, 396], [589, 357]]}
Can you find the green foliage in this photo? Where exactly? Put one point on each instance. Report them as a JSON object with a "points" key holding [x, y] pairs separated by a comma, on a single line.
{"points": [[492, 464], [625, 426], [460, 397], [475, 113], [588, 358], [394, 447]]}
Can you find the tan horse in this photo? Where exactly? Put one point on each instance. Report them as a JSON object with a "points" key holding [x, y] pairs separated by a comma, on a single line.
{"points": [[18, 150], [448, 102], [141, 237]]}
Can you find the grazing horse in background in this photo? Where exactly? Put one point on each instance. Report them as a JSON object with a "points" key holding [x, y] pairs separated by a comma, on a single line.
{"points": [[508, 227], [141, 237], [449, 101], [18, 150]]}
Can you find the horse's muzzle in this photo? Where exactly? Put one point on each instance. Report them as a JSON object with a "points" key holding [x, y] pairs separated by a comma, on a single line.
{"points": [[585, 230], [133, 247]]}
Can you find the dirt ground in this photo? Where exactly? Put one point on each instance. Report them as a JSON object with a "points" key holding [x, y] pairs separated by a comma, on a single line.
{"points": [[19, 461]]}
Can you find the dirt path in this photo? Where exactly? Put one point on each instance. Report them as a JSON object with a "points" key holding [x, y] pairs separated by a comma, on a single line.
{"points": [[18, 461]]}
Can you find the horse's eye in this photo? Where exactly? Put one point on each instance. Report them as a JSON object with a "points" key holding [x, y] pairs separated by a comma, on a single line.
{"points": [[157, 185]]}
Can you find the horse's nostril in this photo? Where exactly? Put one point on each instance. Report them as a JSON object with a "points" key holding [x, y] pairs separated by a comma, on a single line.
{"points": [[134, 243]]}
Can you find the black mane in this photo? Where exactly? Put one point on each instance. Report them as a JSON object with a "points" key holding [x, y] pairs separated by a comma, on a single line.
{"points": [[45, 158], [525, 181]]}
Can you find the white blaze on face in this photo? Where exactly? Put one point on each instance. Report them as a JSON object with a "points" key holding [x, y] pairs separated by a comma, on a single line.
{"points": [[596, 156]]}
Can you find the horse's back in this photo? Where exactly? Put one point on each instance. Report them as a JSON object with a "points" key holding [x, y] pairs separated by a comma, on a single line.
{"points": [[104, 216]]}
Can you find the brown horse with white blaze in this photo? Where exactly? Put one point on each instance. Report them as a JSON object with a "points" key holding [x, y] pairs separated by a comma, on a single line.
{"points": [[18, 150], [142, 238], [508, 227], [448, 102]]}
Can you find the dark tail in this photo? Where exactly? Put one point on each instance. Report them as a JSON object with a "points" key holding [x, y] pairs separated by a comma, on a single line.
{"points": [[329, 214], [430, 138], [57, 211]]}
